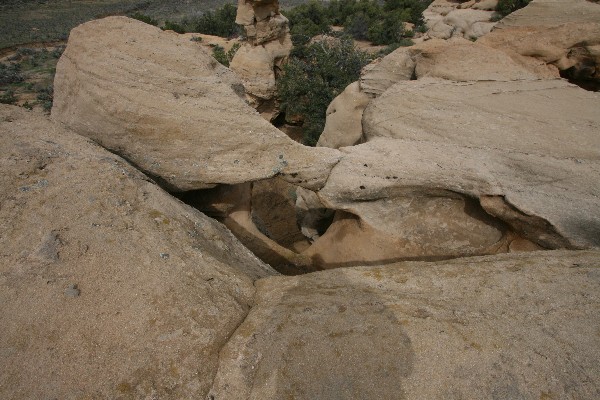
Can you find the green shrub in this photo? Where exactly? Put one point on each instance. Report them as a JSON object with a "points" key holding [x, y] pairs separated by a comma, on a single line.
{"points": [[8, 97], [10, 73], [220, 22], [506, 7], [144, 18], [310, 83], [173, 26], [308, 20], [225, 57]]}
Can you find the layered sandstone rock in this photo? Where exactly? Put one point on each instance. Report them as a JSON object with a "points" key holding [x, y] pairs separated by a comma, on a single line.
{"points": [[510, 326], [564, 33], [110, 288], [534, 144], [268, 44], [456, 59], [166, 105]]}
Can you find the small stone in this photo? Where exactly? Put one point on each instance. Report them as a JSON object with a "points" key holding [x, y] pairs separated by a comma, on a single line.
{"points": [[72, 290]]}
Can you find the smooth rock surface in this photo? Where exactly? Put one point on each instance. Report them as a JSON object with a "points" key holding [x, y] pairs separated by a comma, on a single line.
{"points": [[110, 287], [163, 103], [343, 126], [505, 327]]}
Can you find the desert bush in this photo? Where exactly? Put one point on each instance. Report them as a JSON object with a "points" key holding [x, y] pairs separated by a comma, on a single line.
{"points": [[308, 20], [310, 83], [225, 57], [220, 22], [172, 26], [45, 97], [10, 73], [8, 97], [145, 18], [506, 7]]}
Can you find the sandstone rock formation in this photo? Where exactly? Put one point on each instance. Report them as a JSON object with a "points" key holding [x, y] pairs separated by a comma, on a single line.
{"points": [[506, 327], [266, 50], [193, 131], [446, 19], [455, 59], [110, 288], [344, 116], [435, 170], [564, 33]]}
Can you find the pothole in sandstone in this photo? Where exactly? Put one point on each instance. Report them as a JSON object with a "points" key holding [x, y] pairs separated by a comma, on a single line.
{"points": [[288, 228], [263, 215]]}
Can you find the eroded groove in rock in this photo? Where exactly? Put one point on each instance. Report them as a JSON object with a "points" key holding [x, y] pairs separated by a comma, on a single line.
{"points": [[414, 225], [244, 212], [532, 227]]}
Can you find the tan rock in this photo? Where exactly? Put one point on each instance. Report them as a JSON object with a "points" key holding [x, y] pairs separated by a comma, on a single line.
{"points": [[559, 32], [532, 142], [487, 5], [167, 106], [378, 76], [110, 288], [253, 224], [462, 22], [344, 115], [463, 60], [509, 326], [257, 65], [470, 20]]}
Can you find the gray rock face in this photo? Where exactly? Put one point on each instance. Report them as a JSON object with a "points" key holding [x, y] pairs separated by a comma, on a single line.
{"points": [[160, 101], [110, 288], [509, 326]]}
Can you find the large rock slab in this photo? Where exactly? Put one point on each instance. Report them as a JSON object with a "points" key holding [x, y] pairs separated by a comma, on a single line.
{"points": [[506, 327], [564, 33], [529, 149], [162, 102], [110, 288]]}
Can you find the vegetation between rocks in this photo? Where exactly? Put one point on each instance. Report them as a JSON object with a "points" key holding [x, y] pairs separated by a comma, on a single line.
{"points": [[26, 77], [313, 78]]}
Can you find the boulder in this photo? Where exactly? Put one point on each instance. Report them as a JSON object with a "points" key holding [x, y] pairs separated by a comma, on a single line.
{"points": [[469, 23], [397, 66], [445, 19], [564, 33], [261, 20], [160, 101], [110, 287], [532, 144], [344, 115], [507, 327]]}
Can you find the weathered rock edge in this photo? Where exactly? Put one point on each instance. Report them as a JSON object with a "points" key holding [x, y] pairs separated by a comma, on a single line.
{"points": [[160, 101]]}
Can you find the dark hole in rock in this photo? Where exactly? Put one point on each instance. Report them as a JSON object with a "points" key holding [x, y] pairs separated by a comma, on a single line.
{"points": [[584, 81], [290, 229], [264, 217]]}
